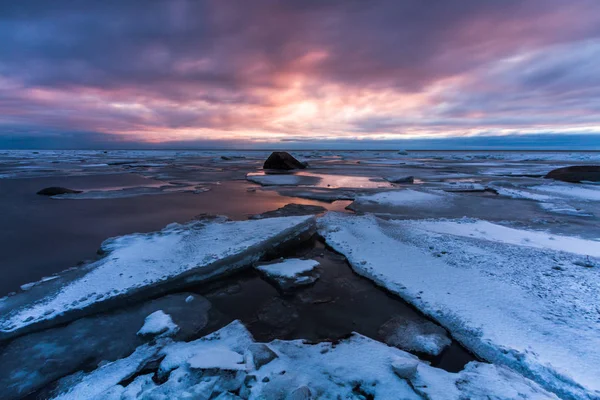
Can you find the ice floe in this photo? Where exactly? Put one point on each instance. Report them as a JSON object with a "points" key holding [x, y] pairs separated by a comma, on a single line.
{"points": [[222, 365], [33, 361], [291, 272], [513, 297], [403, 198], [141, 265]]}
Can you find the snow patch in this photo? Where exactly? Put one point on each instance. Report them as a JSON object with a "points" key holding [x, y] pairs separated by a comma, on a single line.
{"points": [[158, 323]]}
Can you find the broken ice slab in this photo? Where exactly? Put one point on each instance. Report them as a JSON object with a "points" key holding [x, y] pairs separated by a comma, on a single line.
{"points": [[138, 266], [45, 356], [512, 296], [225, 361], [291, 273]]}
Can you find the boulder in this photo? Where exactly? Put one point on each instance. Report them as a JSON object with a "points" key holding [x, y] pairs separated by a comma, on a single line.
{"points": [[282, 160], [576, 173], [56, 190]]}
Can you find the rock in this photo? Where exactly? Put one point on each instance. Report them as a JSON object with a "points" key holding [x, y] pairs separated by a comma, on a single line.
{"points": [[301, 393], [405, 368], [415, 336], [401, 179], [403, 152], [56, 190], [576, 174], [292, 209], [260, 354], [282, 160]]}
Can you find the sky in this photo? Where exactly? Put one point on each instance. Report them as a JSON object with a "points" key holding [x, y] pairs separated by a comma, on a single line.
{"points": [[300, 74]]}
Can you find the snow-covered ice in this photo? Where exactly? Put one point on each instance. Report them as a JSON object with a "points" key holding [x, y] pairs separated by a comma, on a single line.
{"points": [[32, 361], [158, 323], [356, 367], [513, 297], [291, 272], [404, 198], [139, 265]]}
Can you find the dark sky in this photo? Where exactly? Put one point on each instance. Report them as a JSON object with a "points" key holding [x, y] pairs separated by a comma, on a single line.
{"points": [[227, 73]]}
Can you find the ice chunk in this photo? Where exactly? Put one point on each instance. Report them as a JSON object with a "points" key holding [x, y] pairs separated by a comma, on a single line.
{"points": [[492, 287], [291, 272], [141, 265], [415, 336], [158, 323], [108, 376], [46, 356], [406, 197], [354, 367]]}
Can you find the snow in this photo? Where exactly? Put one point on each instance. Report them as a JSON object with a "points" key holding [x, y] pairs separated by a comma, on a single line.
{"points": [[217, 357], [579, 191], [139, 265], [158, 323], [497, 233], [406, 197], [513, 297], [355, 367]]}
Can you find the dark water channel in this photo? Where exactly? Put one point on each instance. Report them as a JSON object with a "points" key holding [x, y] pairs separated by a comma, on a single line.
{"points": [[339, 303]]}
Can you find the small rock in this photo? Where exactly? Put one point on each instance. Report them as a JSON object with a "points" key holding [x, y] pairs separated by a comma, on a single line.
{"points": [[56, 190]]}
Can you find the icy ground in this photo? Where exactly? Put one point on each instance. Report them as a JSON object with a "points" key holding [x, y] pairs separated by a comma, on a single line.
{"points": [[505, 261], [527, 300], [140, 265], [228, 364]]}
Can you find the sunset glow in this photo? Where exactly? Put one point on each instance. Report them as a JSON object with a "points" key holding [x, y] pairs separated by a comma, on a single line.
{"points": [[244, 73]]}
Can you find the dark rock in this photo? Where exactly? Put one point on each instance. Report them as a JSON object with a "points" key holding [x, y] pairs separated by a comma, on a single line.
{"points": [[576, 173], [283, 160], [401, 179], [261, 354], [292, 209], [56, 190]]}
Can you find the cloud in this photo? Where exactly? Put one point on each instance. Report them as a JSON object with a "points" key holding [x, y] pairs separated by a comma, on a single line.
{"points": [[237, 71]]}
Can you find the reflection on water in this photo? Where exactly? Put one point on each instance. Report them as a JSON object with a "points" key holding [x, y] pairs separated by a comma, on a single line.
{"points": [[65, 232]]}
